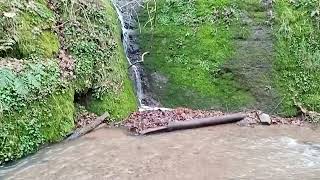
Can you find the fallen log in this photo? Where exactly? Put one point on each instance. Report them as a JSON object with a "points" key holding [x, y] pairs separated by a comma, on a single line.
{"points": [[88, 128], [196, 123]]}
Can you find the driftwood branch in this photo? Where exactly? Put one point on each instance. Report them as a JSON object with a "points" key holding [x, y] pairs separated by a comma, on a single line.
{"points": [[88, 128], [141, 61], [196, 123]]}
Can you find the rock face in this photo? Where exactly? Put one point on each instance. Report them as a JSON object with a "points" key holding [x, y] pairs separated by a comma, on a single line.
{"points": [[265, 119]]}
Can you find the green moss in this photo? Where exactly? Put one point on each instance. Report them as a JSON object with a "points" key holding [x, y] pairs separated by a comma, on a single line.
{"points": [[188, 50], [46, 44], [119, 105], [34, 36], [59, 121], [120, 101], [48, 120], [49, 43], [227, 58]]}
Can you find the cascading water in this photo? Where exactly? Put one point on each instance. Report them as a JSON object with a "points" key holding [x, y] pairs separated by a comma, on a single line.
{"points": [[127, 13]]}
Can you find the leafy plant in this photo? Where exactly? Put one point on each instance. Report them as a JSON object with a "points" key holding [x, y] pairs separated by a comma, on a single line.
{"points": [[35, 82]]}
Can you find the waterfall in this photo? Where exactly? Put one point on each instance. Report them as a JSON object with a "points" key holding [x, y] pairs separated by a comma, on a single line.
{"points": [[126, 10]]}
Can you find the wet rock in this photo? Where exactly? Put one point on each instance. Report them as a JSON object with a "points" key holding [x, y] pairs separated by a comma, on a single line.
{"points": [[249, 121], [265, 119], [133, 48], [159, 80]]}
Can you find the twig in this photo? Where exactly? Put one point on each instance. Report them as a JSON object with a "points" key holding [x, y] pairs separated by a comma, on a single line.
{"points": [[142, 60]]}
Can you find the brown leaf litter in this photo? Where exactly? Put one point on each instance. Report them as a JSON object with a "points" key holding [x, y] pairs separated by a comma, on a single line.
{"points": [[140, 121], [66, 65], [85, 118], [13, 64]]}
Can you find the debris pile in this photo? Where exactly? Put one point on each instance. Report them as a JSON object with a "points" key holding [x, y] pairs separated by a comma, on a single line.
{"points": [[139, 121], [13, 64], [66, 65], [85, 118]]}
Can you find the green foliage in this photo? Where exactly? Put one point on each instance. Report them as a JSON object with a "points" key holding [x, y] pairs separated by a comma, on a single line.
{"points": [[36, 104], [45, 121], [184, 12], [32, 112], [298, 54], [92, 44], [100, 63], [36, 81]]}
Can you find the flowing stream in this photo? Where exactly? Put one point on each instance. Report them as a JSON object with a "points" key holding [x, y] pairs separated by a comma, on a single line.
{"points": [[221, 152]]}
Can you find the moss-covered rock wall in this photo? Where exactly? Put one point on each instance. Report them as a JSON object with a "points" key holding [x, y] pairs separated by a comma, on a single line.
{"points": [[189, 44], [50, 52], [45, 121], [234, 54]]}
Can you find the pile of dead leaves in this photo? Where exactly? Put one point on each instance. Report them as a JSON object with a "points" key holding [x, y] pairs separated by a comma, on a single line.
{"points": [[253, 119], [84, 118], [66, 65], [13, 64], [140, 121]]}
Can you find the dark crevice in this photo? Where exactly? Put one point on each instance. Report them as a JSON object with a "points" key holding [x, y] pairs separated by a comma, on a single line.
{"points": [[83, 98], [12, 53]]}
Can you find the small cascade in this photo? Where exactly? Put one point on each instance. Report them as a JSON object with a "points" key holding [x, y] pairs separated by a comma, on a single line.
{"points": [[127, 13], [126, 33]]}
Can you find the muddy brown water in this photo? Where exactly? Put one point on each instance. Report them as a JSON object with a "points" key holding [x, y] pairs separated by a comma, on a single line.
{"points": [[221, 152]]}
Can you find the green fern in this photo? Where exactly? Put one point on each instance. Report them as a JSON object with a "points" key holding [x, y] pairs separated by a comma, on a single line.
{"points": [[21, 87], [6, 78], [7, 44]]}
